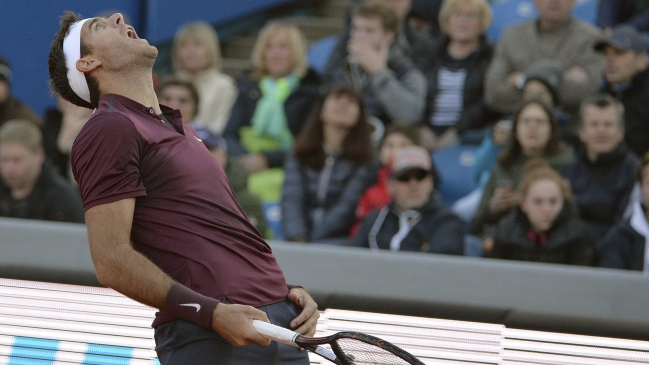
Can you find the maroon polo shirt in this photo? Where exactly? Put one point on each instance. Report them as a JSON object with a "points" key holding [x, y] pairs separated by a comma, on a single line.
{"points": [[187, 219]]}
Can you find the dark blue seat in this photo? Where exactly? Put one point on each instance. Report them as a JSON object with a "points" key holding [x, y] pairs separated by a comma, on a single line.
{"points": [[454, 167], [320, 51]]}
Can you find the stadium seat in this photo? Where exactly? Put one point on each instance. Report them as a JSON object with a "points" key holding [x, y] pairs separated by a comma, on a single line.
{"points": [[320, 51], [454, 167], [273, 214], [509, 12]]}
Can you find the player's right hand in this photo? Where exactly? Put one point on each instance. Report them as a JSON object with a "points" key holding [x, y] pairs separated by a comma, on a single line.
{"points": [[233, 322]]}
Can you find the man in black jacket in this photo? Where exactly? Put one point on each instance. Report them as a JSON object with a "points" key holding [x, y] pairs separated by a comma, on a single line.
{"points": [[30, 187], [416, 220], [626, 77], [603, 174]]}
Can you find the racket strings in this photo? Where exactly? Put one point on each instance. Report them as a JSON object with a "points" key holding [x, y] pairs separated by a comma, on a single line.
{"points": [[359, 352]]}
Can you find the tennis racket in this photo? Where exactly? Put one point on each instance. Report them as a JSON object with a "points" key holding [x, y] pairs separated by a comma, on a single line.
{"points": [[347, 348]]}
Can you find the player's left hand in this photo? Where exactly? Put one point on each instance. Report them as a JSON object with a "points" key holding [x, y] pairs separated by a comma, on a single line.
{"points": [[306, 322]]}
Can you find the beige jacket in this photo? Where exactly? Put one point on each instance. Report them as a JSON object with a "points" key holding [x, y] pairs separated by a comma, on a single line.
{"points": [[523, 44], [217, 92]]}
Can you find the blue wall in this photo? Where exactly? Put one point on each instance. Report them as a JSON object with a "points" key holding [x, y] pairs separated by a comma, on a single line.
{"points": [[28, 27]]}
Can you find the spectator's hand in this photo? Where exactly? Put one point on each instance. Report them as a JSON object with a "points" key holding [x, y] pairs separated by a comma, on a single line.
{"points": [[371, 59], [504, 198], [576, 74], [233, 322], [428, 139], [502, 131], [305, 323], [514, 77], [254, 162]]}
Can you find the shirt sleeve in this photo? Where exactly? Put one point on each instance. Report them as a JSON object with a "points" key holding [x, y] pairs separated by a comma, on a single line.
{"points": [[106, 160]]}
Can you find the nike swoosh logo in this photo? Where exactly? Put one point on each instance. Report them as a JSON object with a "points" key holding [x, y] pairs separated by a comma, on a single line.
{"points": [[194, 305], [198, 139]]}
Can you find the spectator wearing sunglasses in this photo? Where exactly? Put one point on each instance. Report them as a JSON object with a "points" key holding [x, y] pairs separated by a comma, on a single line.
{"points": [[417, 219]]}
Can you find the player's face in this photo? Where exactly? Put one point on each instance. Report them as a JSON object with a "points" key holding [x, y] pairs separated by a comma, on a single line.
{"points": [[116, 43], [178, 97], [542, 204], [278, 55], [533, 129], [601, 130], [412, 189], [19, 166]]}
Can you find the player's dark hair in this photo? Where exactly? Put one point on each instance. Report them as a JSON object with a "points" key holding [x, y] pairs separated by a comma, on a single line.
{"points": [[59, 83]]}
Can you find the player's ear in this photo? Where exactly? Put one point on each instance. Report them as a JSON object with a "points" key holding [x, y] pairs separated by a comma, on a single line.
{"points": [[87, 64]]}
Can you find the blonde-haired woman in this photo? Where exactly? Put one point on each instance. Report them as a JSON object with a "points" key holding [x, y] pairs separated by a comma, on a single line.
{"points": [[274, 100], [196, 56], [456, 73]]}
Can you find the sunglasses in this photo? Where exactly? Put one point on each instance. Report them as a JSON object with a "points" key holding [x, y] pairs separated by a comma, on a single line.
{"points": [[418, 175]]}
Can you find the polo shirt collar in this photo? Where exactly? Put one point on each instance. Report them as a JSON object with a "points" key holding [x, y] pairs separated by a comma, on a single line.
{"points": [[172, 114]]}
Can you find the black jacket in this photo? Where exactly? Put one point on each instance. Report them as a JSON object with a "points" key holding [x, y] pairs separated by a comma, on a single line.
{"points": [[438, 231], [297, 107], [568, 241], [51, 129], [475, 113], [602, 188], [623, 248], [52, 199], [635, 99]]}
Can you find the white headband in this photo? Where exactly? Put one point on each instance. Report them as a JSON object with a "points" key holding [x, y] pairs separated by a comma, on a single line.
{"points": [[72, 51]]}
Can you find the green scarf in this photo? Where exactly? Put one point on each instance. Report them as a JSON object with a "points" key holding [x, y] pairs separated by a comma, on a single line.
{"points": [[269, 130]]}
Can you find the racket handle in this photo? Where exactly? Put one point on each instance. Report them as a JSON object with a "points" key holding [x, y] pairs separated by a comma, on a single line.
{"points": [[275, 333]]}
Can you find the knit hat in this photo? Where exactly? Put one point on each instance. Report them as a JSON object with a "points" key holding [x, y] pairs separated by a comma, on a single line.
{"points": [[549, 72], [625, 38], [5, 70]]}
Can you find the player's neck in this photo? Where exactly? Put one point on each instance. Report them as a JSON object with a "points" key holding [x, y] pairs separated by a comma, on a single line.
{"points": [[135, 86]]}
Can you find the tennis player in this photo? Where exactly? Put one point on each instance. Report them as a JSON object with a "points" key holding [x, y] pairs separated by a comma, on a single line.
{"points": [[164, 225]]}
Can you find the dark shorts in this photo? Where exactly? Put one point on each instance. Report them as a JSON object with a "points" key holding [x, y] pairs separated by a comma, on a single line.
{"points": [[181, 342]]}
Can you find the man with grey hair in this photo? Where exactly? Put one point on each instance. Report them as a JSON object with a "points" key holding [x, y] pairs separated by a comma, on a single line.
{"points": [[555, 35], [30, 187], [626, 76]]}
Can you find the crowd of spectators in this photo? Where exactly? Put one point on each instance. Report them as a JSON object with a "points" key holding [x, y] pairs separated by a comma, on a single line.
{"points": [[557, 106]]}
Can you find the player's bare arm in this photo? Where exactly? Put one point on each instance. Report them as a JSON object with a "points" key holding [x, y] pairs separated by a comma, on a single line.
{"points": [[118, 265]]}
